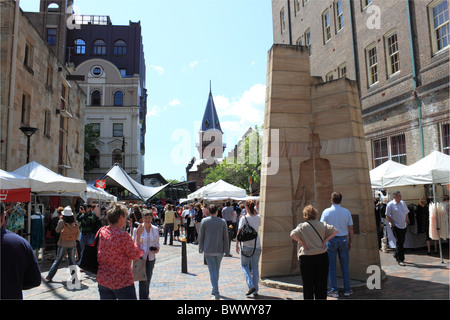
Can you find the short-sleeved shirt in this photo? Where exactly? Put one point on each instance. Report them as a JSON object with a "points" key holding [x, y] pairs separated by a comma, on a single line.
{"points": [[306, 233], [116, 249], [338, 217], [397, 212]]}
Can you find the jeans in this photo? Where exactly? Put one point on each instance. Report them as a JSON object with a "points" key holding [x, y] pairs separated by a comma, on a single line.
{"points": [[250, 267], [399, 235], [86, 239], [338, 246], [168, 228], [213, 263], [144, 286], [126, 293], [59, 256], [314, 270]]}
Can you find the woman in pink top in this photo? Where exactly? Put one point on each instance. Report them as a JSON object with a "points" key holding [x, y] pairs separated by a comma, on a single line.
{"points": [[116, 250]]}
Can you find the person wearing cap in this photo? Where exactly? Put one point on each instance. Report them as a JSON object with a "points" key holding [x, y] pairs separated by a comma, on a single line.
{"points": [[69, 231], [397, 215]]}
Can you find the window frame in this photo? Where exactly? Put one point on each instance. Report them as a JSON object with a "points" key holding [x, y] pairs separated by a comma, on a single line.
{"points": [[283, 20], [80, 48], [338, 17], [307, 36], [433, 28], [115, 129], [326, 26], [444, 137], [99, 104], [391, 150], [120, 48], [370, 67], [387, 47], [99, 48]]}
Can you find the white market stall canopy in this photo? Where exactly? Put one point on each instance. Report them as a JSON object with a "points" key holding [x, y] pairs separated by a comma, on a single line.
{"points": [[434, 168], [217, 191], [119, 175], [377, 175], [14, 188], [43, 180]]}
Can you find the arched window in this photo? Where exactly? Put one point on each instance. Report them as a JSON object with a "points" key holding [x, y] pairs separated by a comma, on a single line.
{"points": [[118, 98], [120, 48], [96, 98], [117, 157], [80, 46], [99, 47], [53, 7]]}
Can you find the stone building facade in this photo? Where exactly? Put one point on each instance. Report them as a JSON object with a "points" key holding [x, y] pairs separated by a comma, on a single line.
{"points": [[396, 51], [113, 109], [37, 90]]}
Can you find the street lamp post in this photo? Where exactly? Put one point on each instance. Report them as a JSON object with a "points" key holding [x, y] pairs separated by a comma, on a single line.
{"points": [[28, 131]]}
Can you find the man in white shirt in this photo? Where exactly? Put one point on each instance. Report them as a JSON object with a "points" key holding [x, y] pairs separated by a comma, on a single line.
{"points": [[397, 215]]}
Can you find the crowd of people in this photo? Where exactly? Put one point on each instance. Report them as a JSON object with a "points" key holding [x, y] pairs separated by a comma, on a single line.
{"points": [[127, 234]]}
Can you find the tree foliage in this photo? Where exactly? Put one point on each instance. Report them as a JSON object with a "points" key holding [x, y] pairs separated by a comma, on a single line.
{"points": [[238, 170], [91, 140]]}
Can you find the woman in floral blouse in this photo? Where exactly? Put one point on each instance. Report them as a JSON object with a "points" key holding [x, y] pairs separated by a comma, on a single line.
{"points": [[116, 250]]}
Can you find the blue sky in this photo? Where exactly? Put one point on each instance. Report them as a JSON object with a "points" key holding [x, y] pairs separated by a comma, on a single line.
{"points": [[187, 44]]}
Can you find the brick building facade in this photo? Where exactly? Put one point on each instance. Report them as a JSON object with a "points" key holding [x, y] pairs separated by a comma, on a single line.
{"points": [[397, 51]]}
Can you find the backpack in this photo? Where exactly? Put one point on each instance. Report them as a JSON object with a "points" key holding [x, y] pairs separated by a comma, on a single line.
{"points": [[70, 232]]}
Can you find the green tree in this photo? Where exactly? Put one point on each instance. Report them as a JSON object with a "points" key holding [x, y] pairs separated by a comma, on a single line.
{"points": [[246, 164], [91, 140]]}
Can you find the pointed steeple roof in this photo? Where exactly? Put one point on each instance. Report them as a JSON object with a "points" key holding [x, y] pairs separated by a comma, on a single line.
{"points": [[210, 119]]}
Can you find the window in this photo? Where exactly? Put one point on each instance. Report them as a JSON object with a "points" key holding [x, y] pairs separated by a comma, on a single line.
{"points": [[439, 25], [80, 46], [393, 148], [25, 109], [372, 64], [118, 98], [51, 36], [342, 70], [47, 121], [445, 138], [63, 103], [329, 76], [365, 3], [96, 128], [123, 72], [96, 98], [49, 80], [99, 48], [120, 48], [338, 15], [297, 6], [305, 2], [308, 40], [282, 20], [380, 151], [398, 149], [28, 59], [392, 56], [97, 71], [299, 41], [117, 129], [326, 26]]}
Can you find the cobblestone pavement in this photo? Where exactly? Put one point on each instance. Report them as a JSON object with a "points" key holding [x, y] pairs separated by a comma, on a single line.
{"points": [[423, 277]]}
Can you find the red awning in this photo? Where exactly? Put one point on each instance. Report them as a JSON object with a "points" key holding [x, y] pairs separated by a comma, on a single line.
{"points": [[15, 195]]}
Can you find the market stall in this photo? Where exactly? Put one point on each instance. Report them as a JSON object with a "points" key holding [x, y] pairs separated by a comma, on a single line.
{"points": [[433, 170]]}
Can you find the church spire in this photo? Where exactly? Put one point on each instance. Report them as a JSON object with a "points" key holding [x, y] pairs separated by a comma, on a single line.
{"points": [[210, 119]]}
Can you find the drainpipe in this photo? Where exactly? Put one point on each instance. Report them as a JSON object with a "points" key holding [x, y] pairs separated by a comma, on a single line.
{"points": [[414, 75], [355, 60], [12, 87], [289, 21]]}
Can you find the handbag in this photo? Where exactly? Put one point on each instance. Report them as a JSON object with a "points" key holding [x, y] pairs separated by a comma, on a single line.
{"points": [[247, 233], [139, 270], [89, 261]]}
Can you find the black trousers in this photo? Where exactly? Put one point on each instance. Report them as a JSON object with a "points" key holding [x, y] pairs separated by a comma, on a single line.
{"points": [[314, 270], [399, 235]]}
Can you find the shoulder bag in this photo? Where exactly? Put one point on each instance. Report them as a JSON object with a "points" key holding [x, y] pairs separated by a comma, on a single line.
{"points": [[315, 230], [247, 233], [89, 260]]}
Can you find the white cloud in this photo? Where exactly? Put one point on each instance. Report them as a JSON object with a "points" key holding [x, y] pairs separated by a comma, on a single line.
{"points": [[174, 102], [238, 114], [158, 69], [154, 111], [193, 64]]}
